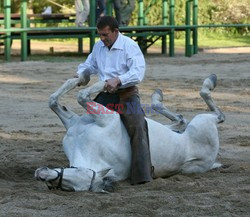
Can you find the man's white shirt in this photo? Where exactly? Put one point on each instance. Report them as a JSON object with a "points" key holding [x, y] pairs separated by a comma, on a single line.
{"points": [[124, 60]]}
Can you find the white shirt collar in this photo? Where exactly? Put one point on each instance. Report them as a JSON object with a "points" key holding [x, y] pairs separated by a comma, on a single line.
{"points": [[117, 44]]}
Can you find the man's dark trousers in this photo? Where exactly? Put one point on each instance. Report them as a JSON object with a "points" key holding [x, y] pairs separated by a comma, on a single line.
{"points": [[132, 117]]}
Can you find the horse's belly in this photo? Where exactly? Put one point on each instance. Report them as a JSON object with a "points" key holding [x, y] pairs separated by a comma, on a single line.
{"points": [[167, 149]]}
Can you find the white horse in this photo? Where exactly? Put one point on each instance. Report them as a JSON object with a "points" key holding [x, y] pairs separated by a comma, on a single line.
{"points": [[98, 146]]}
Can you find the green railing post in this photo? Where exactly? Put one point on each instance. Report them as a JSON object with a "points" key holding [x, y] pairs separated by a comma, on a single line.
{"points": [[141, 39], [24, 44], [165, 12], [109, 7], [28, 41], [188, 46], [92, 23], [195, 22], [140, 13], [172, 23], [80, 45], [164, 22], [7, 26]]}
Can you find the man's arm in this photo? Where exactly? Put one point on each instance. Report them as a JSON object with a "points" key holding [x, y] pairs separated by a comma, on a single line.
{"points": [[135, 64], [89, 65]]}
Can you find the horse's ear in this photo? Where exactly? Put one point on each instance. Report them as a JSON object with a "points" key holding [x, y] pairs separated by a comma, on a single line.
{"points": [[103, 173]]}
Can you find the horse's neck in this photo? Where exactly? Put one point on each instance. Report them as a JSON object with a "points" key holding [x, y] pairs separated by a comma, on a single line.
{"points": [[86, 141]]}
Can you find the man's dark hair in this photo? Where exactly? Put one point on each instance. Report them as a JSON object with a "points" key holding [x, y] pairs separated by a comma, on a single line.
{"points": [[104, 21]]}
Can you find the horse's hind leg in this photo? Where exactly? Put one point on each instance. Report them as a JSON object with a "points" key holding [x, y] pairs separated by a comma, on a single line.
{"points": [[208, 85], [179, 123]]}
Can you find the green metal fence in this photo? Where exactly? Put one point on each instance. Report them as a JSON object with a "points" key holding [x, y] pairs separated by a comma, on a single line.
{"points": [[145, 35]]}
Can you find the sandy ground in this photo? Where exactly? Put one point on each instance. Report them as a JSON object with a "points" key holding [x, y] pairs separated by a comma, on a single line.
{"points": [[31, 134]]}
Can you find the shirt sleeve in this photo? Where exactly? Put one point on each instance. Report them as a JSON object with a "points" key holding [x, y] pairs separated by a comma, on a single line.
{"points": [[90, 64], [135, 64]]}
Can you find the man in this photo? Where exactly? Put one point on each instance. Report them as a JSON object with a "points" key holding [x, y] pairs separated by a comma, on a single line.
{"points": [[123, 10], [119, 61], [128, 7], [117, 8], [82, 11], [100, 8]]}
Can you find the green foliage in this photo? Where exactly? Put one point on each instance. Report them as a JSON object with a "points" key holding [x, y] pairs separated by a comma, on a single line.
{"points": [[15, 6], [232, 11], [208, 39], [1, 6], [38, 5], [210, 12], [154, 15]]}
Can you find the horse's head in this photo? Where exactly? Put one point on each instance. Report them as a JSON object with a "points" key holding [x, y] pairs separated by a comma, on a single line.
{"points": [[75, 179]]}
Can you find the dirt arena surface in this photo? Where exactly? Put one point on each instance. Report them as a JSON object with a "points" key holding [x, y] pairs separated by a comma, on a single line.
{"points": [[31, 135]]}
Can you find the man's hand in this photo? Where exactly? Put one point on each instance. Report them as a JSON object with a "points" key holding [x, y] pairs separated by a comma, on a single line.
{"points": [[112, 85]]}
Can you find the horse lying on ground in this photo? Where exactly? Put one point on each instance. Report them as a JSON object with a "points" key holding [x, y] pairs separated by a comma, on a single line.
{"points": [[98, 147]]}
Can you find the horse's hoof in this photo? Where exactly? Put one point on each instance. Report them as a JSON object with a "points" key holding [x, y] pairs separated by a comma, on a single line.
{"points": [[159, 92], [52, 101], [213, 78]]}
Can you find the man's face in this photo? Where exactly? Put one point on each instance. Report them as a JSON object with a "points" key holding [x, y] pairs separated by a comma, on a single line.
{"points": [[107, 36]]}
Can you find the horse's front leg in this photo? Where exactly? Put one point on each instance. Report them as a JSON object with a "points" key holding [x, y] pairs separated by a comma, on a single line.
{"points": [[101, 114], [84, 95], [70, 84], [62, 112]]}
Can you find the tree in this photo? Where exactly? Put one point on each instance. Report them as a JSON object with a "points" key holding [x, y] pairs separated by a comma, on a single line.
{"points": [[38, 5]]}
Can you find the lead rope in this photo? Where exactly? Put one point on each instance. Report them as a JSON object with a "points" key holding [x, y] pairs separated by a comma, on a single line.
{"points": [[60, 180], [92, 180], [59, 185]]}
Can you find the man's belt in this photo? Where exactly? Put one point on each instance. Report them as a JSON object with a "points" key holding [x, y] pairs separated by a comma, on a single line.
{"points": [[125, 93]]}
